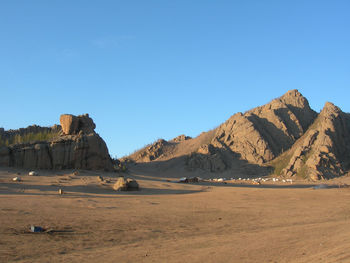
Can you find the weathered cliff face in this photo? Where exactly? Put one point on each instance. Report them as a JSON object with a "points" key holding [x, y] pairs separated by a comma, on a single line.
{"points": [[324, 151], [79, 147]]}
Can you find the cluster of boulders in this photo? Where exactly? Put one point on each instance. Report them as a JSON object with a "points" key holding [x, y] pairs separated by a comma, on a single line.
{"points": [[78, 147]]}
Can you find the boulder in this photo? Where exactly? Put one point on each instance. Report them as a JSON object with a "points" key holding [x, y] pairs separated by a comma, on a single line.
{"points": [[72, 125], [132, 184], [121, 184], [69, 124]]}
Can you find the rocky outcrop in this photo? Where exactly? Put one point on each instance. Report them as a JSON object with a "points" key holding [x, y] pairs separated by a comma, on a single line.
{"points": [[74, 124], [84, 149], [69, 123], [257, 136], [181, 138], [324, 151], [263, 133], [151, 152]]}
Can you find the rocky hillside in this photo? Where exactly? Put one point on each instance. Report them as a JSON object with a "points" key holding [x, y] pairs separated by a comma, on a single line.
{"points": [[75, 146], [261, 134], [323, 152], [285, 134]]}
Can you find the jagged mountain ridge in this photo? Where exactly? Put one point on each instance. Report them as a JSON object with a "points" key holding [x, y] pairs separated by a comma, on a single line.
{"points": [[261, 136]]}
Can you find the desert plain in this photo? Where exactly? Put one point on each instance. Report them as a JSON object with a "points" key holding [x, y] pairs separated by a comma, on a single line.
{"points": [[167, 221], [281, 192]]}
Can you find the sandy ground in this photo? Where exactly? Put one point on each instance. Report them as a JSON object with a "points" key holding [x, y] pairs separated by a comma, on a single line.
{"points": [[169, 222]]}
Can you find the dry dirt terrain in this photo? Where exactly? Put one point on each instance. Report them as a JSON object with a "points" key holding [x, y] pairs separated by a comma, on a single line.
{"points": [[170, 222]]}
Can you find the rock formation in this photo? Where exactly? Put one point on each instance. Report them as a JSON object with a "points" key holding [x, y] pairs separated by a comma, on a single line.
{"points": [[127, 184], [285, 134], [261, 134], [181, 138], [151, 152], [78, 147], [257, 136], [324, 150], [74, 124]]}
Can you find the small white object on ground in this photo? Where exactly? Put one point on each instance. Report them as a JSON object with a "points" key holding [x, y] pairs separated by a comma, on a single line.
{"points": [[33, 173], [16, 179]]}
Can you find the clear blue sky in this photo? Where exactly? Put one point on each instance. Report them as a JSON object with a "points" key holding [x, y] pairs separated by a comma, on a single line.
{"points": [[156, 69]]}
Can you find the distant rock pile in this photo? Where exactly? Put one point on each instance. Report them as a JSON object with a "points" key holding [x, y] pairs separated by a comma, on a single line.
{"points": [[77, 147]]}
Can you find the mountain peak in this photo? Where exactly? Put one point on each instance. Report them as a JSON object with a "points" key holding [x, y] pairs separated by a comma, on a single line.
{"points": [[293, 93], [295, 99], [330, 109]]}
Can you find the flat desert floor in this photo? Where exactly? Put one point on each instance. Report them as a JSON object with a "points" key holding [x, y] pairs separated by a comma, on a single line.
{"points": [[169, 222]]}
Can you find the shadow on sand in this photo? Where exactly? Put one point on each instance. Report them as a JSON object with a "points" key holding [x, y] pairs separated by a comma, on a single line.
{"points": [[84, 191]]}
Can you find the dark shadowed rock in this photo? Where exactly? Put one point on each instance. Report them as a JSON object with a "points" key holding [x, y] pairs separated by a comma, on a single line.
{"points": [[4, 156], [132, 184]]}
